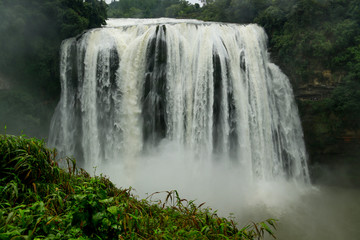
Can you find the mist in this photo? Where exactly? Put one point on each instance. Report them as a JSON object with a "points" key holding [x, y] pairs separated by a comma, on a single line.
{"points": [[28, 68], [311, 212]]}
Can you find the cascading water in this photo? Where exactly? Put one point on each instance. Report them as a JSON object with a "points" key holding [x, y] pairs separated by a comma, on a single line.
{"points": [[208, 87], [164, 104]]}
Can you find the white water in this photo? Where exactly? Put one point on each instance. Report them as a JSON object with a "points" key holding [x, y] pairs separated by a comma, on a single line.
{"points": [[219, 94], [162, 104]]}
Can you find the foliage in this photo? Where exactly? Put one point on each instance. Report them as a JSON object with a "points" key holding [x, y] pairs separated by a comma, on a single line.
{"points": [[152, 9], [39, 200], [318, 36], [30, 36]]}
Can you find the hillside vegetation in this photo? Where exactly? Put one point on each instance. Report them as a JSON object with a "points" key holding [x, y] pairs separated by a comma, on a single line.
{"points": [[39, 200], [30, 36]]}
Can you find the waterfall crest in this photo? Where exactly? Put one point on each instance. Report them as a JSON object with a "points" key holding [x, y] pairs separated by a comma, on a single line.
{"points": [[209, 87]]}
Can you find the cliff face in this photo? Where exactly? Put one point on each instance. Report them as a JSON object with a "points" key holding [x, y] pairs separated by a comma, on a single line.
{"points": [[319, 87], [313, 97], [333, 150]]}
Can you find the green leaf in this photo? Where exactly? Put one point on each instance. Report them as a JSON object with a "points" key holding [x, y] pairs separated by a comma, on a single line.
{"points": [[113, 210], [98, 217], [107, 200]]}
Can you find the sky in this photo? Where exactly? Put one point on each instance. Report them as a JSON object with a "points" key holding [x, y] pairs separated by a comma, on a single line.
{"points": [[191, 1]]}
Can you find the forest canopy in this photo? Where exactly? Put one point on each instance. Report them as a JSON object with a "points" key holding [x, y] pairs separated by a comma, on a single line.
{"points": [[153, 9], [30, 36]]}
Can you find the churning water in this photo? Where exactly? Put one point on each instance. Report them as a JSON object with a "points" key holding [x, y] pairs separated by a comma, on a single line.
{"points": [[162, 104]]}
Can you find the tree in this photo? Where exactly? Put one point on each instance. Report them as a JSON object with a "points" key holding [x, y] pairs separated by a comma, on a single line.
{"points": [[30, 36]]}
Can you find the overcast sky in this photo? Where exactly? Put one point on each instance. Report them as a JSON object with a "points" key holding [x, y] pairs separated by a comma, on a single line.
{"points": [[191, 1]]}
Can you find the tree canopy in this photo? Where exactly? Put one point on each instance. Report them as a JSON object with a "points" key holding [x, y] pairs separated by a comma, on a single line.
{"points": [[30, 36], [152, 9]]}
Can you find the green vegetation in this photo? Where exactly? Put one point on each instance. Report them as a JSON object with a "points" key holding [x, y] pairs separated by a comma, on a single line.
{"points": [[39, 200], [317, 43], [153, 9], [30, 36]]}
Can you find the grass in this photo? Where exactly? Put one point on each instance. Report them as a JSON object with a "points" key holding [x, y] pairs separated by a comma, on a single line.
{"points": [[39, 200]]}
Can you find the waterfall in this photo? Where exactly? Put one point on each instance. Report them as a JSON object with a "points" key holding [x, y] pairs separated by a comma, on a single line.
{"points": [[208, 87]]}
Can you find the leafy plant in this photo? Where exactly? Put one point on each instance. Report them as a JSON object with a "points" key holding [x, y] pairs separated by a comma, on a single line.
{"points": [[39, 200]]}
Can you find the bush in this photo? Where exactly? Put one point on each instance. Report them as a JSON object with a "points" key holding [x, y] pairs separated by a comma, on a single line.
{"points": [[39, 200]]}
